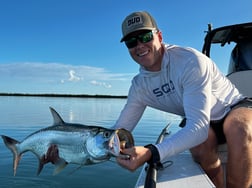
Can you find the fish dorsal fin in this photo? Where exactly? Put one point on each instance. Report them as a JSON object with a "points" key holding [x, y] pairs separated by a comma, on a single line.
{"points": [[57, 120]]}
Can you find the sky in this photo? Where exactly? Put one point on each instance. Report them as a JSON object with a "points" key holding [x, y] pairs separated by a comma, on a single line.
{"points": [[73, 46]]}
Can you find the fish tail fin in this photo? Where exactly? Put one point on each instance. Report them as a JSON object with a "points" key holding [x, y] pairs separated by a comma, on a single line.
{"points": [[12, 145]]}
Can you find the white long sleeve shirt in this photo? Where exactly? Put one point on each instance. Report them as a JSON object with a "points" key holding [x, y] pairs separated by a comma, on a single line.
{"points": [[189, 84]]}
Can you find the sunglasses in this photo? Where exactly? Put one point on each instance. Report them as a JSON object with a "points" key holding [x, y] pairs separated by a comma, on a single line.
{"points": [[143, 38]]}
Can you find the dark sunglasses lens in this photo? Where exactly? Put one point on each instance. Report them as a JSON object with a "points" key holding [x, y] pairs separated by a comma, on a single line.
{"points": [[131, 43], [147, 37], [144, 37]]}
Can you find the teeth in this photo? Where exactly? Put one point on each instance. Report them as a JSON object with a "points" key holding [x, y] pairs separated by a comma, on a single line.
{"points": [[142, 54]]}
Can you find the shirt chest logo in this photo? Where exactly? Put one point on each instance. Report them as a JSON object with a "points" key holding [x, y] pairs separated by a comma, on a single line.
{"points": [[164, 89]]}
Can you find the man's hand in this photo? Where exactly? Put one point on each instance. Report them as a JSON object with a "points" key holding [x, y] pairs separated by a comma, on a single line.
{"points": [[138, 156]]}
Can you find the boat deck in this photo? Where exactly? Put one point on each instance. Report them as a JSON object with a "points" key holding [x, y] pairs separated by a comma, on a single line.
{"points": [[183, 172]]}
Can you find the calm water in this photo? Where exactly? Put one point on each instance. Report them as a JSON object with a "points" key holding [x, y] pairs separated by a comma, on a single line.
{"points": [[21, 116]]}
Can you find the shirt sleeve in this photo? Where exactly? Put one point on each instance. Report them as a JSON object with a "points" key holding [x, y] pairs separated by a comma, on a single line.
{"points": [[132, 111], [196, 83]]}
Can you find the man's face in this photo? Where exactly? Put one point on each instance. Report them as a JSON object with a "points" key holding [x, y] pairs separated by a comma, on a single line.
{"points": [[145, 47]]}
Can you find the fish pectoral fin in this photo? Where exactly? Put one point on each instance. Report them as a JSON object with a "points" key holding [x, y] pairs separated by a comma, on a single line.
{"points": [[59, 166]]}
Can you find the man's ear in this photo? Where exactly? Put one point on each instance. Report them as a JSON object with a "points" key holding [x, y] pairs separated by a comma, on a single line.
{"points": [[160, 36]]}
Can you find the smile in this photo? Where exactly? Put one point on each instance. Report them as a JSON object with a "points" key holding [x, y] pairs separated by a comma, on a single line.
{"points": [[143, 54]]}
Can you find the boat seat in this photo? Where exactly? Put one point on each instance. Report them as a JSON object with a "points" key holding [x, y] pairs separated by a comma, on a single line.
{"points": [[240, 74], [241, 80], [241, 57]]}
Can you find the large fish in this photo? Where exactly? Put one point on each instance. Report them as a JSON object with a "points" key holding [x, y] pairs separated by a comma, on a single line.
{"points": [[64, 143]]}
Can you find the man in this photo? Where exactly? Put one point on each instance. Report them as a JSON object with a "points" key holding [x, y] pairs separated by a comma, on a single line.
{"points": [[185, 82]]}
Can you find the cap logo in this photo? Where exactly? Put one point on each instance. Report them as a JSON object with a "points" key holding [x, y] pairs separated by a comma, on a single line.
{"points": [[134, 21]]}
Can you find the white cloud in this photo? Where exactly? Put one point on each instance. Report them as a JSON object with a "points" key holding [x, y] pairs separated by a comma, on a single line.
{"points": [[58, 72], [35, 76], [94, 82], [73, 77]]}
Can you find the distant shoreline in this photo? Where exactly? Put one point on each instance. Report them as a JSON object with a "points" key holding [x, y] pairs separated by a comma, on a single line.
{"points": [[62, 95]]}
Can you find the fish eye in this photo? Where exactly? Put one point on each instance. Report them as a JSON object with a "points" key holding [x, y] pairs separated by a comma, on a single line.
{"points": [[106, 134]]}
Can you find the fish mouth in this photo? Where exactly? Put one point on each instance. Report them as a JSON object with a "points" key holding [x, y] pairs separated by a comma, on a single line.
{"points": [[121, 138], [113, 145]]}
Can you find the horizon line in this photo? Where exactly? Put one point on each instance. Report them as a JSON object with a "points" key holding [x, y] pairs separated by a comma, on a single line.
{"points": [[62, 95]]}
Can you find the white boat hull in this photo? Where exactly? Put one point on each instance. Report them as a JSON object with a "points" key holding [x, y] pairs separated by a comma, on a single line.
{"points": [[183, 172]]}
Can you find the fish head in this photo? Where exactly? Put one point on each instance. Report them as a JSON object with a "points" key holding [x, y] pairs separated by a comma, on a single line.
{"points": [[105, 143], [97, 143]]}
